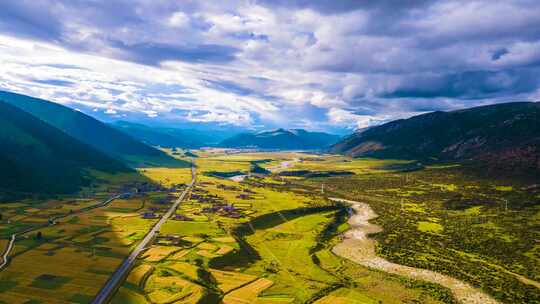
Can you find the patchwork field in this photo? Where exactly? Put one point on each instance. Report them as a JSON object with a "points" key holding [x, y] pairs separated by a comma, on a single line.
{"points": [[68, 260], [268, 238], [256, 241]]}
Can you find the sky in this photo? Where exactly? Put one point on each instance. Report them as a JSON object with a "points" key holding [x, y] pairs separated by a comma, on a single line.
{"points": [[320, 65]]}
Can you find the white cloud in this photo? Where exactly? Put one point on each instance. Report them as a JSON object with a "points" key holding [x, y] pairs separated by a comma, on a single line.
{"points": [[253, 63], [351, 120]]}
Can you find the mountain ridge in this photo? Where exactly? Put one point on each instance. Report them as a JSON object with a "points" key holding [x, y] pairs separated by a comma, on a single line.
{"points": [[281, 139], [167, 136], [92, 132], [506, 132], [38, 158]]}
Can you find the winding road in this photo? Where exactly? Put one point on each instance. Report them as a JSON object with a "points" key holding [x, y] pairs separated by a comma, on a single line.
{"points": [[359, 248], [117, 278], [50, 222]]}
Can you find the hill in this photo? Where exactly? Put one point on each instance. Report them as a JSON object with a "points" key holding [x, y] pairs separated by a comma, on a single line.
{"points": [[503, 133], [281, 139], [168, 137], [92, 132], [38, 158]]}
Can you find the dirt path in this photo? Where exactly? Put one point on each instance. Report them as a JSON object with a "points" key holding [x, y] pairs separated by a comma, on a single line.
{"points": [[357, 247]]}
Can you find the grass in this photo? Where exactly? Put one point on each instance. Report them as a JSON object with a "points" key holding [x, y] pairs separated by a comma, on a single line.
{"points": [[279, 251], [167, 176], [290, 264], [430, 214], [48, 281], [191, 228], [430, 227]]}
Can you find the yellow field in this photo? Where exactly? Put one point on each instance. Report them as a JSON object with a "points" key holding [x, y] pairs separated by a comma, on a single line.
{"points": [[139, 274], [168, 176], [185, 269], [158, 253], [343, 163], [180, 254], [228, 280], [224, 249], [162, 290], [249, 293], [82, 273], [226, 239]]}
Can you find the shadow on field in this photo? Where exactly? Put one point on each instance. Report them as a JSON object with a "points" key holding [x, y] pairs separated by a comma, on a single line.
{"points": [[247, 255]]}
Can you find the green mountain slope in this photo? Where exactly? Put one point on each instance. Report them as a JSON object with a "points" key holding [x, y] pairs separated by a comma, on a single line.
{"points": [[164, 137], [281, 139], [92, 132], [38, 158], [502, 133]]}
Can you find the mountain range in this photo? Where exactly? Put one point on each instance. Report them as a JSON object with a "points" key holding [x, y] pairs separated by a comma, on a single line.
{"points": [[170, 137], [506, 134], [38, 158], [282, 139], [92, 132]]}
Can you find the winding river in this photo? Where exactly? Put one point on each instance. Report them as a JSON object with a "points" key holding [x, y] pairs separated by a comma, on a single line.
{"points": [[358, 247]]}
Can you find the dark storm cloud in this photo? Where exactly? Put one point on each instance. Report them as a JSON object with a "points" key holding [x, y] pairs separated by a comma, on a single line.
{"points": [[469, 84], [30, 19]]}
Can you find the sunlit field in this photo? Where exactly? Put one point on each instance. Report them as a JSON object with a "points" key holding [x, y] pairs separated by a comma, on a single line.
{"points": [[272, 246], [268, 238]]}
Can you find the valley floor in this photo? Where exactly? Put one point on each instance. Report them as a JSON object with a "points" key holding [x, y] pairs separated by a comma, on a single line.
{"points": [[278, 238]]}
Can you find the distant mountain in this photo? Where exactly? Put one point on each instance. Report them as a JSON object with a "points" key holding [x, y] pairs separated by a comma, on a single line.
{"points": [[295, 139], [169, 137], [92, 132], [503, 133], [38, 158]]}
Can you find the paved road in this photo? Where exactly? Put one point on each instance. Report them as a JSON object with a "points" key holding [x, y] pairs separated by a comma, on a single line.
{"points": [[50, 222], [121, 272]]}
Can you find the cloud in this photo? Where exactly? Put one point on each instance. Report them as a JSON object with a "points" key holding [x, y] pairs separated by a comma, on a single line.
{"points": [[469, 84], [255, 64], [54, 82], [154, 54]]}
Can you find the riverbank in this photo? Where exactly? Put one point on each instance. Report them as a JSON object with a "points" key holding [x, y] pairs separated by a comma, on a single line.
{"points": [[358, 247]]}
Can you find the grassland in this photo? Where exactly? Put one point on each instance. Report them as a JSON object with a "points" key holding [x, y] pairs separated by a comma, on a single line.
{"points": [[167, 176], [483, 230], [276, 249], [269, 239]]}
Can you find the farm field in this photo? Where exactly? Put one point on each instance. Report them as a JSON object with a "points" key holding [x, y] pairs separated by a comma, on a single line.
{"points": [[269, 237], [69, 260], [258, 241]]}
